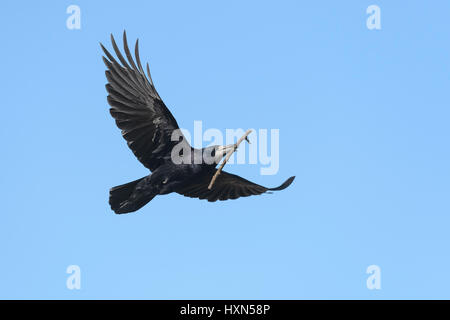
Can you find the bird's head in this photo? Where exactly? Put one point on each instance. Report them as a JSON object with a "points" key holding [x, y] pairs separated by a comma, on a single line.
{"points": [[213, 154]]}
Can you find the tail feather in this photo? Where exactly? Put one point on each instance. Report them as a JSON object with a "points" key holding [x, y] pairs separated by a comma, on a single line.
{"points": [[120, 198]]}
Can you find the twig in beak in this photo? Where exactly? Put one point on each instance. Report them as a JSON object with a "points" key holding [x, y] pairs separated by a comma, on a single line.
{"points": [[236, 145]]}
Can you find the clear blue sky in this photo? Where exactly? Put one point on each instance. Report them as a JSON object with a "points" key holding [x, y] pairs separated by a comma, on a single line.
{"points": [[364, 125]]}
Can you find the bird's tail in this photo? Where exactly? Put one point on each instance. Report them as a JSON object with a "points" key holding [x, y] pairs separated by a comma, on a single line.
{"points": [[120, 198]]}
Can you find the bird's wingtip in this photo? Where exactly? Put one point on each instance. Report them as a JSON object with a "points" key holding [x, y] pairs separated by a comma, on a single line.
{"points": [[285, 184]]}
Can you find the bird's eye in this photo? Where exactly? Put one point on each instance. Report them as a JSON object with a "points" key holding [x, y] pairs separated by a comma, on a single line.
{"points": [[213, 153]]}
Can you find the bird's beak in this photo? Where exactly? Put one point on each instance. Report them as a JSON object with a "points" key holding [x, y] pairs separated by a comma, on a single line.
{"points": [[223, 150]]}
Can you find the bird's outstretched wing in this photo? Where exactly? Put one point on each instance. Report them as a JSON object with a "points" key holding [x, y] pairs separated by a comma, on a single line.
{"points": [[227, 186], [146, 123]]}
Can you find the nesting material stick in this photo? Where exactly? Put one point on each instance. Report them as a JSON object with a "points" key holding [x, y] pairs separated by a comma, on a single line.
{"points": [[236, 145]]}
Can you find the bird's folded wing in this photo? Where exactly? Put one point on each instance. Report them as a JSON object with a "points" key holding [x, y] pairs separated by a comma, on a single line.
{"points": [[146, 123], [227, 186]]}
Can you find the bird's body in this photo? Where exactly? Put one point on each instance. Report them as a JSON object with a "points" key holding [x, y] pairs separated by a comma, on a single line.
{"points": [[153, 135]]}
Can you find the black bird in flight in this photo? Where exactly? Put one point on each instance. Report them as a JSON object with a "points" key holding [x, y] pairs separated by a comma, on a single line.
{"points": [[148, 127]]}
